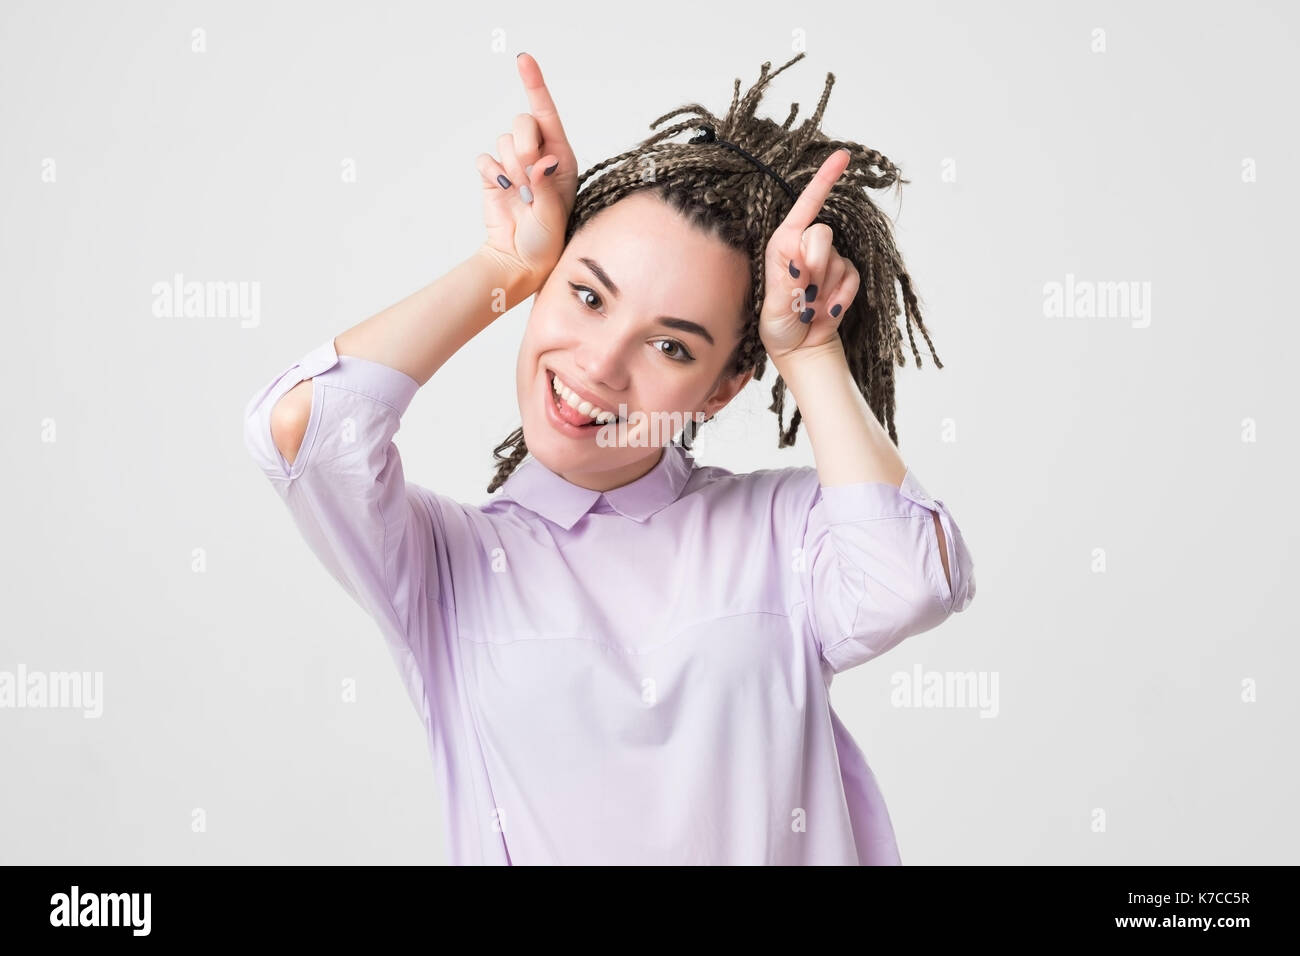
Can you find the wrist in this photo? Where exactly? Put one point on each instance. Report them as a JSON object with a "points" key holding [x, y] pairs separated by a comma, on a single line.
{"points": [[810, 360], [515, 281]]}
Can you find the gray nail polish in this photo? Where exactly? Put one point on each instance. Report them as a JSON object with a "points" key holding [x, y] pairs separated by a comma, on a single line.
{"points": [[835, 311], [505, 183], [811, 294], [528, 170], [525, 194], [806, 316], [794, 273]]}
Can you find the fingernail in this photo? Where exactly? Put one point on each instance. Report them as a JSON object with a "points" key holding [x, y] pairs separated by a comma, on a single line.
{"points": [[553, 168], [806, 316], [793, 271], [525, 194], [518, 55], [835, 311], [505, 183], [811, 294], [528, 170]]}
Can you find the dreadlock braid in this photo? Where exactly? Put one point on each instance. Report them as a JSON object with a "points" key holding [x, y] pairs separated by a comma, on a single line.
{"points": [[726, 195]]}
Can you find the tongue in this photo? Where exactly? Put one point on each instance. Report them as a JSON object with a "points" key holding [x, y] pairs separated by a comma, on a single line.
{"points": [[572, 415]]}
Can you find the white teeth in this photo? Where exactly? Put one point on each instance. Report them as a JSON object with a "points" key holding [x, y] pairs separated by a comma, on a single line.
{"points": [[586, 408]]}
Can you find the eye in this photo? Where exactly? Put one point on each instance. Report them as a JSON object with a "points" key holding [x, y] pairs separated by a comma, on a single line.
{"points": [[582, 290], [681, 355]]}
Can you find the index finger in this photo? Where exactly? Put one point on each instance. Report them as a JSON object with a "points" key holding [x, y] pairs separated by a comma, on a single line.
{"points": [[540, 103], [809, 204]]}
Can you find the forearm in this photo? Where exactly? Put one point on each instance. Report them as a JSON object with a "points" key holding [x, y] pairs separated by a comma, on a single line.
{"points": [[421, 332], [849, 444], [416, 335]]}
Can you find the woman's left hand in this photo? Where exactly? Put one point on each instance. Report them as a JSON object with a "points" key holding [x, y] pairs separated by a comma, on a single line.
{"points": [[808, 284]]}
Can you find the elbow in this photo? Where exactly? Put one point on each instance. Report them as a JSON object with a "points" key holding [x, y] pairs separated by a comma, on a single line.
{"points": [[927, 605], [899, 601], [960, 591], [289, 420], [938, 601], [966, 592], [955, 578]]}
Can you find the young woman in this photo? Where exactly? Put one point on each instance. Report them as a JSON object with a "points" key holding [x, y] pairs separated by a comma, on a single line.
{"points": [[625, 656]]}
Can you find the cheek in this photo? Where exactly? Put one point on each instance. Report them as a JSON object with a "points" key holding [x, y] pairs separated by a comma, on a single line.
{"points": [[522, 364], [542, 328], [670, 397], [527, 372]]}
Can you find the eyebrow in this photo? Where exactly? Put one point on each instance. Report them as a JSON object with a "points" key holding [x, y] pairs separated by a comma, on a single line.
{"points": [[683, 325]]}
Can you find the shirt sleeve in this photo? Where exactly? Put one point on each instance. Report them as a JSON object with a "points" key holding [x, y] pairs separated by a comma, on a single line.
{"points": [[871, 571], [347, 494]]}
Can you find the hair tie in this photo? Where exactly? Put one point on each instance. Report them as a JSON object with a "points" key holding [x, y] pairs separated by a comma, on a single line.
{"points": [[707, 134]]}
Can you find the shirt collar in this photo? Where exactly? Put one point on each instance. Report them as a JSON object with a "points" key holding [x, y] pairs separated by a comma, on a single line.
{"points": [[539, 489]]}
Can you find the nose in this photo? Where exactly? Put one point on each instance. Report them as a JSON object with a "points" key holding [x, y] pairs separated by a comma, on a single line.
{"points": [[603, 358]]}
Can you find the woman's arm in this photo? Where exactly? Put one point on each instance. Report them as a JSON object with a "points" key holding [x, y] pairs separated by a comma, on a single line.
{"points": [[417, 335], [527, 197], [420, 333], [870, 574], [322, 430], [849, 444]]}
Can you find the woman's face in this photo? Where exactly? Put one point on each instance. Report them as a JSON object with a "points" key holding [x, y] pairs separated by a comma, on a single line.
{"points": [[638, 317]]}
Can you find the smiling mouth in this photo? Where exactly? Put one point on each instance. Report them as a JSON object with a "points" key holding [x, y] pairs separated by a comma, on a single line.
{"points": [[567, 411]]}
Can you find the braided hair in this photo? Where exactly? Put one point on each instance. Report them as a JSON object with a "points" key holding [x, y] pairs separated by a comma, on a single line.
{"points": [[729, 197]]}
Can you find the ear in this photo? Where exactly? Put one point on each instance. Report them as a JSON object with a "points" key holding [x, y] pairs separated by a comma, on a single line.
{"points": [[727, 389]]}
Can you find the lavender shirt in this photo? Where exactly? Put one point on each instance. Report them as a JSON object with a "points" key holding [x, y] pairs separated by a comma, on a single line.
{"points": [[635, 676]]}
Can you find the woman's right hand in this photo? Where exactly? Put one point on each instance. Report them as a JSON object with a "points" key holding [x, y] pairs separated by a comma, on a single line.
{"points": [[527, 231]]}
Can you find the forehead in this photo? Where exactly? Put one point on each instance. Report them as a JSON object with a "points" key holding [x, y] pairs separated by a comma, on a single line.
{"points": [[657, 258]]}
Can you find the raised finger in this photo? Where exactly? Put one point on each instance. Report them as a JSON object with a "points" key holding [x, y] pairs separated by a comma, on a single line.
{"points": [[540, 103], [809, 204]]}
